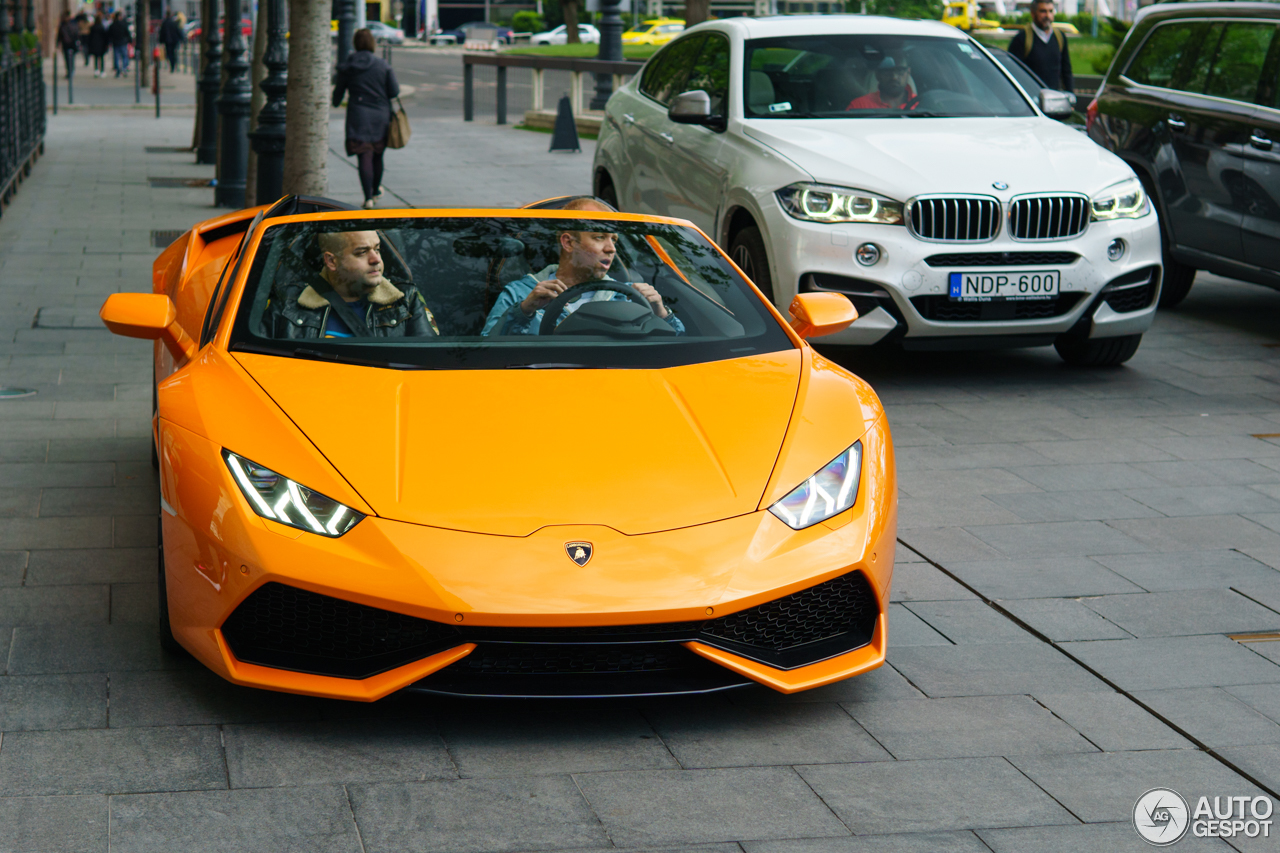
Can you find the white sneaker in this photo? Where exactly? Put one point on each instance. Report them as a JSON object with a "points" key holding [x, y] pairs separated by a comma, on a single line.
{"points": [[378, 192], [369, 204]]}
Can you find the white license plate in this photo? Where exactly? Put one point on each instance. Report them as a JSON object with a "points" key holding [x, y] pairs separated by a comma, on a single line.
{"points": [[1004, 286]]}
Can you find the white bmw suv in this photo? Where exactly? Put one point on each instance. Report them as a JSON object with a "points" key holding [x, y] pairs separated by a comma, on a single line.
{"points": [[898, 163]]}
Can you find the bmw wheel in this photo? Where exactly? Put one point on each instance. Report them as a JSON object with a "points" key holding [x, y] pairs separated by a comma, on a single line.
{"points": [[748, 252]]}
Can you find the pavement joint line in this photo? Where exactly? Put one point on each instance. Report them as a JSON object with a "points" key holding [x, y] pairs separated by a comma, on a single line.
{"points": [[346, 792], [1201, 745], [343, 158], [573, 777], [1064, 806]]}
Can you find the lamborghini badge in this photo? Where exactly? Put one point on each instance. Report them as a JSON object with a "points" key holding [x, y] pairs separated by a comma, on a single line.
{"points": [[579, 552]]}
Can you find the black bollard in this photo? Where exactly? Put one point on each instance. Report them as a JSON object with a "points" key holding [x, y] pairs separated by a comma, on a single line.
{"points": [[565, 136], [610, 50], [269, 138], [210, 81], [233, 114], [346, 27]]}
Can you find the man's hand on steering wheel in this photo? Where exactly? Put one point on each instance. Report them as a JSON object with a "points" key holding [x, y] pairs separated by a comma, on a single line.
{"points": [[655, 298], [541, 295]]}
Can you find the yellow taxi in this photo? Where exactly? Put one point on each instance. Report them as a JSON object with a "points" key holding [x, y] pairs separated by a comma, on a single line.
{"points": [[654, 31]]}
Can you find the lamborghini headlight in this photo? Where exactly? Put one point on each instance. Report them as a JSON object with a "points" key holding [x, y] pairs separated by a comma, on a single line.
{"points": [[1125, 200], [281, 499], [828, 492], [822, 203]]}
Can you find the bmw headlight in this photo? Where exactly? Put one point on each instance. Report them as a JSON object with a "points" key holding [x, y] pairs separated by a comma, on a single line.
{"points": [[1125, 200], [822, 203], [281, 499], [829, 492]]}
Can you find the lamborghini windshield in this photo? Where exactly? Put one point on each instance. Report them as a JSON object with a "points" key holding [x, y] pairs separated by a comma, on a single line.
{"points": [[498, 292], [875, 76]]}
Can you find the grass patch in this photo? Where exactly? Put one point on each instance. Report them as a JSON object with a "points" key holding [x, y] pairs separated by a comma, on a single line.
{"points": [[1085, 50], [549, 131], [583, 51]]}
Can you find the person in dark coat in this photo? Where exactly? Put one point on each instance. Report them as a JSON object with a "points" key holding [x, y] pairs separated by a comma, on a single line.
{"points": [[1043, 48], [370, 84], [69, 41], [98, 42], [120, 38], [170, 36]]}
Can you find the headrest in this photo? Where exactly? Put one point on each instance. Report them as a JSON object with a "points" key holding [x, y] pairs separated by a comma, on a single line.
{"points": [[761, 91]]}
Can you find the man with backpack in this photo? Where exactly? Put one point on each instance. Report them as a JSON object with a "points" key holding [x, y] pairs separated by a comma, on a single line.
{"points": [[1043, 48]]}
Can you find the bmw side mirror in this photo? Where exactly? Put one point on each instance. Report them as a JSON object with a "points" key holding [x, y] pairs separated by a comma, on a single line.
{"points": [[1057, 104], [694, 108]]}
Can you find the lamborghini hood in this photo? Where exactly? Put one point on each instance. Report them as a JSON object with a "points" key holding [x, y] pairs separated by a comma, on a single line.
{"points": [[511, 451]]}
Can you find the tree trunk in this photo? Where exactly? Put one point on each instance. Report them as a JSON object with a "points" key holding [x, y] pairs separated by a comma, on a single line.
{"points": [[696, 11], [257, 72], [570, 10], [307, 112]]}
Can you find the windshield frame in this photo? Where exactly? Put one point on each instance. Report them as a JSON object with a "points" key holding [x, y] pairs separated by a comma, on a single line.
{"points": [[234, 333], [749, 45]]}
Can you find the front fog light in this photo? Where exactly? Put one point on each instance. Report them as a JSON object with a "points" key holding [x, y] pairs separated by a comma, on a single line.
{"points": [[829, 492], [281, 499], [868, 254], [1116, 250]]}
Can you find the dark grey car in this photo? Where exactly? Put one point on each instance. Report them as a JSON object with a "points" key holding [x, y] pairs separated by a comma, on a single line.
{"points": [[1190, 102]]}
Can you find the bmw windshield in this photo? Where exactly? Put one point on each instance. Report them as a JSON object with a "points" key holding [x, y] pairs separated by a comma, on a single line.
{"points": [[875, 76], [498, 292]]}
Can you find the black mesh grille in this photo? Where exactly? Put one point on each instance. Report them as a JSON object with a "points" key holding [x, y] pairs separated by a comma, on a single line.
{"points": [[841, 613], [1001, 259], [289, 628], [1048, 217], [944, 310], [955, 219], [1132, 292]]}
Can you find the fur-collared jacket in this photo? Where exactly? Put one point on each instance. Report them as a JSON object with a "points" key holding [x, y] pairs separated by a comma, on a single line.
{"points": [[395, 311]]}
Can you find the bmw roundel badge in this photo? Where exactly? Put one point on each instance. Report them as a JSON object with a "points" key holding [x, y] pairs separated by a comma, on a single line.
{"points": [[579, 552], [1000, 185]]}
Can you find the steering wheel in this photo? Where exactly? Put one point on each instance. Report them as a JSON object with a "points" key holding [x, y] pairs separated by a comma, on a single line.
{"points": [[554, 308]]}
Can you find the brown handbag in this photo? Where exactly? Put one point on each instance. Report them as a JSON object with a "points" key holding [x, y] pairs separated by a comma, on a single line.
{"points": [[398, 131]]}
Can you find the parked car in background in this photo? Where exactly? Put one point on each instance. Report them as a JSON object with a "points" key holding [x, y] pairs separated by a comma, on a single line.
{"points": [[1191, 102], [962, 217], [385, 33], [504, 34], [654, 31], [587, 34]]}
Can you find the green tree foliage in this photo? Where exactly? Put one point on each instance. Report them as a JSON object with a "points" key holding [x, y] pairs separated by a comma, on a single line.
{"points": [[526, 21], [927, 9]]}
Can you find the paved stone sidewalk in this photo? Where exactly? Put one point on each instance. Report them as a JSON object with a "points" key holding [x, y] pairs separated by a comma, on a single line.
{"points": [[1079, 549]]}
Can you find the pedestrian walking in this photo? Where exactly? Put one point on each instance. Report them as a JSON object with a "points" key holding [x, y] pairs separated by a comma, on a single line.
{"points": [[370, 84], [1043, 48], [82, 25], [98, 42], [69, 41], [170, 36], [121, 38]]}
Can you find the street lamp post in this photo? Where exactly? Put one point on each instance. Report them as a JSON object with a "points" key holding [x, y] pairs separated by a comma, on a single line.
{"points": [[610, 50], [233, 115], [269, 138], [346, 27], [210, 82]]}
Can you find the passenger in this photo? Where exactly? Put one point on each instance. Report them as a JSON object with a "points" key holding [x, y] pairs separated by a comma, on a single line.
{"points": [[584, 256], [894, 79], [350, 297]]}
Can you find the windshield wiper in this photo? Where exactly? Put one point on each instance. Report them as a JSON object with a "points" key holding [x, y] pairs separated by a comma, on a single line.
{"points": [[549, 365], [319, 355]]}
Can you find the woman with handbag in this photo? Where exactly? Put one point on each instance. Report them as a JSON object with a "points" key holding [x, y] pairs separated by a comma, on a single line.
{"points": [[369, 85]]}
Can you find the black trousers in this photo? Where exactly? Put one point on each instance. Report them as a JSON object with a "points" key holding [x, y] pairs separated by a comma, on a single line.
{"points": [[370, 172]]}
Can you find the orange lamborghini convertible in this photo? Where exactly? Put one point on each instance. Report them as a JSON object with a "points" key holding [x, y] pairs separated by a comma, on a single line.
{"points": [[505, 453]]}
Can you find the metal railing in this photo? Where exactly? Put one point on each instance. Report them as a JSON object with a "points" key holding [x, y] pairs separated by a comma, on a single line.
{"points": [[576, 67], [22, 118]]}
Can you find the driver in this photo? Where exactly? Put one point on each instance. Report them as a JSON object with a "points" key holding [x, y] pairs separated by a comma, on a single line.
{"points": [[585, 256], [350, 297], [893, 75]]}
